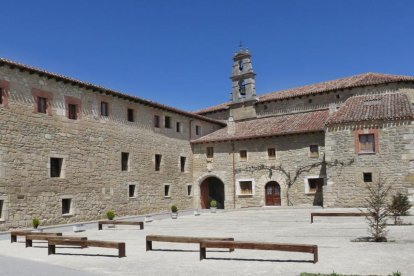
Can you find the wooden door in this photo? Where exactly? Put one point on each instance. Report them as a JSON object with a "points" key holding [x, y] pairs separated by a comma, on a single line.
{"points": [[204, 194], [272, 190]]}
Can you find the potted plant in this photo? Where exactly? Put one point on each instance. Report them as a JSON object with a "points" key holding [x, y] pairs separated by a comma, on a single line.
{"points": [[213, 206], [35, 224], [174, 212], [110, 215]]}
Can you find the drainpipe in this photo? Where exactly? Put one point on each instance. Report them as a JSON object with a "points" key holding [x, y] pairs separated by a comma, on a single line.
{"points": [[234, 176]]}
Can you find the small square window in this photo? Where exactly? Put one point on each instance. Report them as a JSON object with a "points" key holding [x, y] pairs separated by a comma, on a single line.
{"points": [[210, 152], [167, 190], [104, 109], [158, 162], [72, 111], [178, 127], [189, 190], [271, 153], [314, 151], [41, 105], [243, 155], [310, 101], [338, 96], [124, 161], [56, 167], [66, 206], [130, 115], [156, 121], [313, 186], [198, 130], [1, 209], [182, 163], [367, 177], [131, 190], [246, 187], [167, 122], [366, 143]]}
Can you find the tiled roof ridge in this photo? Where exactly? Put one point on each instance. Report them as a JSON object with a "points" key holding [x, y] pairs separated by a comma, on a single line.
{"points": [[353, 81], [102, 89]]}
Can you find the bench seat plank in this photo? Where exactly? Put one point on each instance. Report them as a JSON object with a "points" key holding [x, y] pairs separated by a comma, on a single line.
{"points": [[86, 243], [35, 237], [335, 214], [181, 239], [14, 234], [120, 222]]}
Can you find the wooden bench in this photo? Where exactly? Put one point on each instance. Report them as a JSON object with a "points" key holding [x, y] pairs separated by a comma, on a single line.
{"points": [[181, 239], [14, 234], [35, 237], [86, 243], [305, 248], [140, 223], [325, 214]]}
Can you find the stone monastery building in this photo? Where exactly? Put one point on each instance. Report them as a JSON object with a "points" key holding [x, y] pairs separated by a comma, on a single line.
{"points": [[71, 150]]}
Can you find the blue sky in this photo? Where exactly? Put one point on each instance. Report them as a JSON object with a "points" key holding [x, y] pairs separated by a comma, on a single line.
{"points": [[178, 52]]}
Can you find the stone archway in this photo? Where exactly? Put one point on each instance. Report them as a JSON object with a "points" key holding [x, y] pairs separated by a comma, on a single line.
{"points": [[212, 188]]}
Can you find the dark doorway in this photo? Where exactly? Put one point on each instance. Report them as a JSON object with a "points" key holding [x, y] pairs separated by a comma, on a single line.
{"points": [[212, 189], [272, 190], [316, 186]]}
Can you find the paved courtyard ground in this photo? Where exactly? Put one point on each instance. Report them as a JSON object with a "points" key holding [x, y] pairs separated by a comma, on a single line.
{"points": [[332, 235]]}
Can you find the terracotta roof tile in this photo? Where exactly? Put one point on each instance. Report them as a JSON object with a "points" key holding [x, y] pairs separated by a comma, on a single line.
{"points": [[348, 82], [270, 126], [384, 107]]}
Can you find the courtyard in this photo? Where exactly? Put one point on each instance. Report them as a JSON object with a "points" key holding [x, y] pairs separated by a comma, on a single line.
{"points": [[333, 236]]}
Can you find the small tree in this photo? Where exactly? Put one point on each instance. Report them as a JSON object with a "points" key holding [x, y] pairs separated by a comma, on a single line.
{"points": [[399, 206], [35, 223], [376, 204], [110, 215]]}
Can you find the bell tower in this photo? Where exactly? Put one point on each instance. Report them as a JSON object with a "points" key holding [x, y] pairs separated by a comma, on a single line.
{"points": [[242, 77]]}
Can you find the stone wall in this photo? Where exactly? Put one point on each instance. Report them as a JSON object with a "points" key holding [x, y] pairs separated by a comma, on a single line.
{"points": [[91, 149]]}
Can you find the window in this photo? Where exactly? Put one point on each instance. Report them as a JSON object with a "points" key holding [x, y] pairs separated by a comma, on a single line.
{"points": [[366, 143], [124, 161], [167, 190], [167, 122], [131, 190], [367, 177], [41, 105], [72, 111], [178, 127], [66, 206], [243, 155], [189, 190], [314, 151], [56, 167], [271, 153], [312, 186], [242, 88], [198, 130], [156, 121], [130, 115], [1, 209], [158, 162], [182, 163], [104, 109], [246, 187], [210, 152], [310, 101], [1, 97], [338, 96]]}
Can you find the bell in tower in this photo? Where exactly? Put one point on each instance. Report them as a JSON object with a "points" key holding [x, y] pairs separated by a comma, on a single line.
{"points": [[243, 83]]}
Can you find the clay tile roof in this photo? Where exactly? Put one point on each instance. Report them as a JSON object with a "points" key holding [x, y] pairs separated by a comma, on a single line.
{"points": [[104, 90], [383, 107], [348, 82], [270, 126]]}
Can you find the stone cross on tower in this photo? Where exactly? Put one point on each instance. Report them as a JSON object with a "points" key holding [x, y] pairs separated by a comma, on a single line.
{"points": [[242, 77]]}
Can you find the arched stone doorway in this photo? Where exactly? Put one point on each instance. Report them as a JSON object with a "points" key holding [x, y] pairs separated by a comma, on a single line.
{"points": [[272, 194], [212, 188]]}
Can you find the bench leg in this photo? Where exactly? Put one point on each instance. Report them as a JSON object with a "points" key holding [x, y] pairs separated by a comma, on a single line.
{"points": [[202, 253], [13, 238], [231, 249], [149, 245], [99, 226], [121, 250], [51, 249], [141, 226], [315, 254], [29, 243], [311, 219]]}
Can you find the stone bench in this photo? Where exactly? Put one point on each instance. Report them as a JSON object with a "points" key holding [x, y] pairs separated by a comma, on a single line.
{"points": [[181, 239], [35, 237], [120, 222], [14, 234], [86, 243], [330, 214], [305, 248]]}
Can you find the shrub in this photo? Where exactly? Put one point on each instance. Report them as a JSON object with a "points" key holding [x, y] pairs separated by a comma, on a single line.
{"points": [[399, 206], [35, 223], [110, 215], [174, 209], [213, 203]]}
